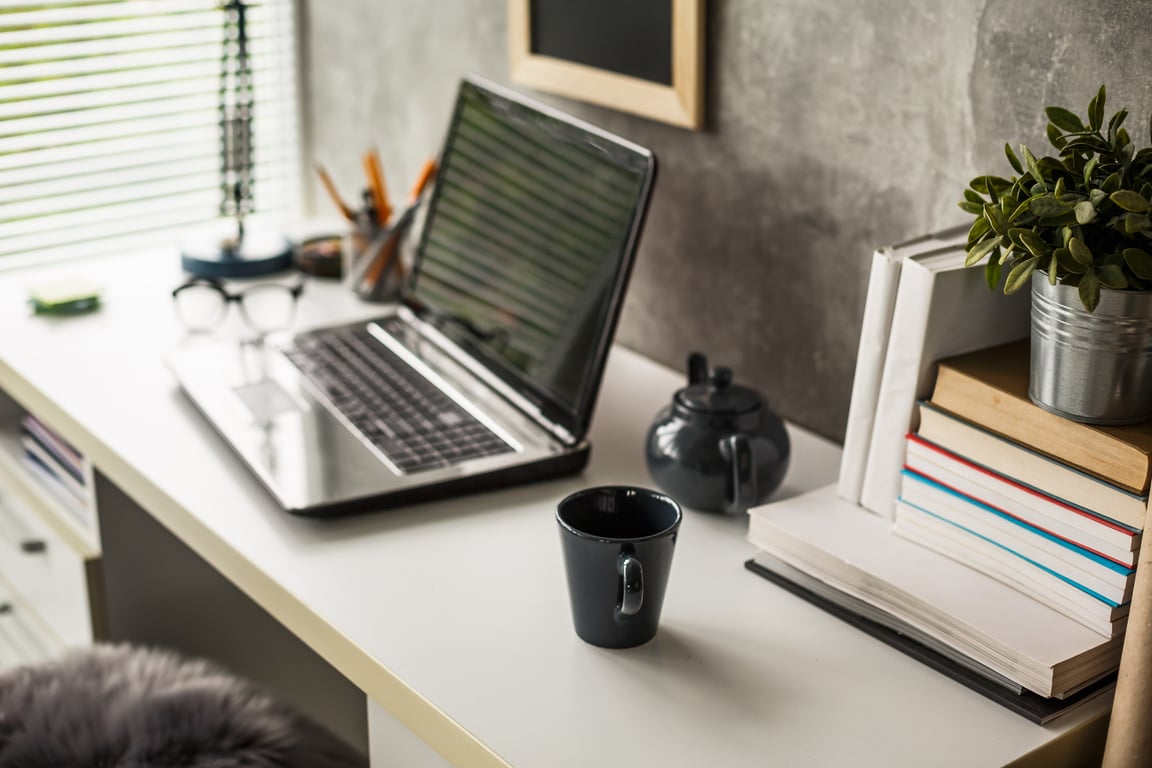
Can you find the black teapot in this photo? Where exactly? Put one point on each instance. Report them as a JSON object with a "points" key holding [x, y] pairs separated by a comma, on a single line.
{"points": [[717, 447]]}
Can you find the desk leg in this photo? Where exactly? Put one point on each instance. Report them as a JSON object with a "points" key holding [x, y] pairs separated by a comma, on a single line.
{"points": [[390, 743], [159, 592]]}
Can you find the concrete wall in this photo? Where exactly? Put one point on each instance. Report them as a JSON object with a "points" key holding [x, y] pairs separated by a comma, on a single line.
{"points": [[832, 127]]}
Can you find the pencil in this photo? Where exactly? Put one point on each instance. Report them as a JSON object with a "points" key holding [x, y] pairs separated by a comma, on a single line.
{"points": [[375, 174], [326, 180], [426, 174]]}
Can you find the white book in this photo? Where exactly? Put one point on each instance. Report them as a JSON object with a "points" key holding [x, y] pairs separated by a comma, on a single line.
{"points": [[983, 557], [942, 308], [1021, 545], [875, 329], [1023, 502], [997, 626]]}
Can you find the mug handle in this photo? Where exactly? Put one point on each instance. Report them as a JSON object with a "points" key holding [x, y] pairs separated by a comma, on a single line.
{"points": [[632, 574]]}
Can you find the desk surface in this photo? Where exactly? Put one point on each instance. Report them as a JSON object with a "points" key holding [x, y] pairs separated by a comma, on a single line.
{"points": [[453, 616]]}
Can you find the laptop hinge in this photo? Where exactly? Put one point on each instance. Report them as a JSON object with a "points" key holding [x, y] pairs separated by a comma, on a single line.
{"points": [[530, 409]]}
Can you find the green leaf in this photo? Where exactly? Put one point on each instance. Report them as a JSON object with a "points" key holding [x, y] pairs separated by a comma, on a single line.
{"points": [[977, 252], [1085, 212], [996, 218], [979, 229], [992, 274], [1112, 183], [990, 185], [1020, 210], [1064, 120], [1059, 191], [1067, 263], [1096, 109], [1115, 123], [976, 209], [1047, 206], [971, 196], [1089, 291], [1033, 167], [1053, 268], [1096, 197], [1129, 200], [1139, 261], [1080, 252], [1013, 160], [1090, 168], [1019, 275], [1122, 139], [1032, 242], [1055, 138], [1136, 222], [1111, 276]]}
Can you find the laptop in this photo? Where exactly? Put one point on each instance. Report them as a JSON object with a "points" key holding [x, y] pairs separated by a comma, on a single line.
{"points": [[486, 372]]}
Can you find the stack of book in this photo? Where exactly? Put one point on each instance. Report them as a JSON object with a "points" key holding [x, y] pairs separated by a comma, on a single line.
{"points": [[1049, 506], [59, 468], [994, 553]]}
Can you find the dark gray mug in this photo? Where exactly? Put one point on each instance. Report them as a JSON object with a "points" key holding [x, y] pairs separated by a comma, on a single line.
{"points": [[617, 543]]}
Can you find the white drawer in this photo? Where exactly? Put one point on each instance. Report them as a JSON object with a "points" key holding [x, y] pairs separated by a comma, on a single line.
{"points": [[45, 574], [21, 641]]}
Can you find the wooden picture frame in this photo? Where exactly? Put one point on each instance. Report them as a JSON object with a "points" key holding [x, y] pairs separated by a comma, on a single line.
{"points": [[679, 102]]}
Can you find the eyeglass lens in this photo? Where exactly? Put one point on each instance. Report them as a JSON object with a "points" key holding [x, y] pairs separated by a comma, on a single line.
{"points": [[201, 307], [266, 308]]}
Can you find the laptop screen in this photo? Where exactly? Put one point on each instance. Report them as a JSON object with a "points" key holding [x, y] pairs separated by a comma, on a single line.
{"points": [[528, 243]]}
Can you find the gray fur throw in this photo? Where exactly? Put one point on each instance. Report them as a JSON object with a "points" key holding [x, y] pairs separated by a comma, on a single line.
{"points": [[117, 706]]}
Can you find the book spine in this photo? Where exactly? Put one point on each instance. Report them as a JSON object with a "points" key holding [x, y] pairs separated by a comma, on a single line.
{"points": [[1031, 468], [1025, 502], [1087, 448], [897, 396], [1090, 570], [873, 347]]}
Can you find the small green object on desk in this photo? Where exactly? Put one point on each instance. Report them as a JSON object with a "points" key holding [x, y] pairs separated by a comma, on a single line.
{"points": [[65, 297]]}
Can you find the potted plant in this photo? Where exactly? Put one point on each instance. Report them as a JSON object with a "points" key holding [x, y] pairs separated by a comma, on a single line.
{"points": [[1076, 228]]}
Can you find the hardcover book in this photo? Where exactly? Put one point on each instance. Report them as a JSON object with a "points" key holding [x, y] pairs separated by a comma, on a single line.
{"points": [[990, 388], [875, 330], [1032, 467], [942, 308], [1028, 503]]}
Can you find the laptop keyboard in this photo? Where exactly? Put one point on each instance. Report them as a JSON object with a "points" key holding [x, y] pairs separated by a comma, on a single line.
{"points": [[407, 417]]}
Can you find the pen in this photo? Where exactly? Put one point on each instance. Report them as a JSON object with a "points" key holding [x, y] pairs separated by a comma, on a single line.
{"points": [[326, 180]]}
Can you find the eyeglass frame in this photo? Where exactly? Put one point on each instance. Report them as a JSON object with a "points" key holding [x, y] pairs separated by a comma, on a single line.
{"points": [[233, 297]]}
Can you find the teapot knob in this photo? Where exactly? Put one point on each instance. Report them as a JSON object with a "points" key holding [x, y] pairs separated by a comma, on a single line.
{"points": [[697, 368], [721, 377]]}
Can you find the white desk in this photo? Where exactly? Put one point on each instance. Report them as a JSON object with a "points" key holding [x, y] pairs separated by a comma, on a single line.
{"points": [[453, 617]]}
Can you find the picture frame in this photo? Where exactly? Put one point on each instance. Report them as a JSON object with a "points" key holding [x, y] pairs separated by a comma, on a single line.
{"points": [[662, 81]]}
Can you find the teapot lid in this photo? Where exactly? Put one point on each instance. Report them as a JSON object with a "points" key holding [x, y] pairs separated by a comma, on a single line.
{"points": [[719, 395]]}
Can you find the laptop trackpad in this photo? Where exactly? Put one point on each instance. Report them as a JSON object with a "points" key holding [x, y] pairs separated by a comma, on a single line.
{"points": [[266, 400]]}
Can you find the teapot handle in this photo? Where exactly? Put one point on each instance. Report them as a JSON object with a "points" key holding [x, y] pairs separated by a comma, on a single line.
{"points": [[738, 451]]}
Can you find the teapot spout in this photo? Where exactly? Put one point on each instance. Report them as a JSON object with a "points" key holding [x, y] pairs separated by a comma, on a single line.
{"points": [[697, 368]]}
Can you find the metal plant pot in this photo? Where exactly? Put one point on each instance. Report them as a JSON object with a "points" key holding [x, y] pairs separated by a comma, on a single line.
{"points": [[1093, 367]]}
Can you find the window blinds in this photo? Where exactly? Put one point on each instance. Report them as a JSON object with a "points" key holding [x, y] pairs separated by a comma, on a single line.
{"points": [[109, 121]]}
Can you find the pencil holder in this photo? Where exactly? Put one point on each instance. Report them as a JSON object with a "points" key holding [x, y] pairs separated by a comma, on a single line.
{"points": [[375, 257]]}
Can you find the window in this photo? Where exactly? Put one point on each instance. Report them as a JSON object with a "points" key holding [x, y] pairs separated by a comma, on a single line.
{"points": [[109, 121]]}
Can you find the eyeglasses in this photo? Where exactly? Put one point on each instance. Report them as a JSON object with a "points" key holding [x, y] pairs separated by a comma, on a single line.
{"points": [[202, 303]]}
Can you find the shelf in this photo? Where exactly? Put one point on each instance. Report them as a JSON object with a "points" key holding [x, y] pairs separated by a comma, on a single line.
{"points": [[80, 534]]}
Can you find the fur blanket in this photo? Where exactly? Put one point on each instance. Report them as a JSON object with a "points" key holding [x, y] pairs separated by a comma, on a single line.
{"points": [[125, 707]]}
